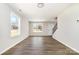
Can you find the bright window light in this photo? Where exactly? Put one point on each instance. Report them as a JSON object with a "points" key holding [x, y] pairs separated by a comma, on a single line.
{"points": [[15, 25], [37, 27]]}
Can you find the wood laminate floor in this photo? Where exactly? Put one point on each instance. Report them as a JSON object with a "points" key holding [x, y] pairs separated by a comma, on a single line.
{"points": [[40, 46]]}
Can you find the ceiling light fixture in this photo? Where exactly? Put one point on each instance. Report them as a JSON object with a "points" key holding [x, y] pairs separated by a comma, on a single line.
{"points": [[40, 5]]}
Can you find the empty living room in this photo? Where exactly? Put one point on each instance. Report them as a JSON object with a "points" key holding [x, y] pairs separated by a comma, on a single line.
{"points": [[39, 28]]}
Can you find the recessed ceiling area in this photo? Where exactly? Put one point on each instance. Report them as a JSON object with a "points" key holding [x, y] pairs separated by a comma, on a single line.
{"points": [[47, 12]]}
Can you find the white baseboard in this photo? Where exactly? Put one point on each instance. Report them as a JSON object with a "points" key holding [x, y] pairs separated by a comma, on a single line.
{"points": [[12, 46], [68, 46]]}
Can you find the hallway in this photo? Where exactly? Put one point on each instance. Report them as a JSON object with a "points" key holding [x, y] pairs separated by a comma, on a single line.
{"points": [[40, 46]]}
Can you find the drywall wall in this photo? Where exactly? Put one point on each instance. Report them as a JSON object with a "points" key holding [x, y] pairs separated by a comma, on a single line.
{"points": [[6, 41], [46, 29], [68, 27]]}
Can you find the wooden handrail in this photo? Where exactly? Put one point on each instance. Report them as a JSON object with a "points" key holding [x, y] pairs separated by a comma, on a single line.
{"points": [[54, 28]]}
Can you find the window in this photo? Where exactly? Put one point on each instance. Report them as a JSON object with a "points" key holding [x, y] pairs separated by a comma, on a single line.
{"points": [[15, 25], [37, 27]]}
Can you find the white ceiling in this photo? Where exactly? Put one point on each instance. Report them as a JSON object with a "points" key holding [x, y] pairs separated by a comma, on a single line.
{"points": [[48, 12]]}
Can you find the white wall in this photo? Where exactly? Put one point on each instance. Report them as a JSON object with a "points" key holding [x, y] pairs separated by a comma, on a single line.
{"points": [[47, 29], [68, 27], [6, 41]]}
